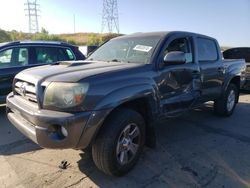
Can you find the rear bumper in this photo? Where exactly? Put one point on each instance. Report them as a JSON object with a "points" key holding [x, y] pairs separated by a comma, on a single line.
{"points": [[44, 126]]}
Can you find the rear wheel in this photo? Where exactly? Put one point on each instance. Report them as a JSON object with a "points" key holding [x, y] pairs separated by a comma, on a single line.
{"points": [[225, 105], [120, 142]]}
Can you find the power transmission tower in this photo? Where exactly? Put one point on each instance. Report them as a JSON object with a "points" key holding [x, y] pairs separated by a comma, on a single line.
{"points": [[32, 9], [110, 17]]}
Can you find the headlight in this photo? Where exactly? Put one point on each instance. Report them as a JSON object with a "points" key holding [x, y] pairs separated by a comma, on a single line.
{"points": [[64, 95]]}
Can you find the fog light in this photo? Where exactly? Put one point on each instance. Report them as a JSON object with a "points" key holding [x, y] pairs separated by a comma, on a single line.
{"points": [[64, 131]]}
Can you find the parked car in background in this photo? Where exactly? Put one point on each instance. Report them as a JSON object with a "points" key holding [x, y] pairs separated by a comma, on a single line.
{"points": [[20, 55], [240, 53]]}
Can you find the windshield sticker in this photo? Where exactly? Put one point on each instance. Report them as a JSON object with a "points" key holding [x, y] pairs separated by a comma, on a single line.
{"points": [[142, 48]]}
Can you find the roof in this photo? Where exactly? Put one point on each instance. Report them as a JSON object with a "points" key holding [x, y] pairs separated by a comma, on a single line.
{"points": [[3, 43], [161, 34], [34, 42]]}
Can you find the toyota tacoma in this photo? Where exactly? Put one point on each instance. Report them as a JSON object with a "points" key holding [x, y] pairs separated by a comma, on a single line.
{"points": [[111, 101]]}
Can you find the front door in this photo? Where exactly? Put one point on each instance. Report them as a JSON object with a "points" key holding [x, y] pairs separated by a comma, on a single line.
{"points": [[179, 85]]}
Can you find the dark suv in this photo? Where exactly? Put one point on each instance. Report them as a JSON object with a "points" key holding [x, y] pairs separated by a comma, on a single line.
{"points": [[240, 53], [19, 55]]}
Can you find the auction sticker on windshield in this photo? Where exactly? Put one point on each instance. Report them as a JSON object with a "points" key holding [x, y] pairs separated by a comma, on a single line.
{"points": [[142, 48]]}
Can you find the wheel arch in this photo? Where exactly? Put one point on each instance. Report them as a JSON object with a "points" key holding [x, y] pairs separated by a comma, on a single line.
{"points": [[233, 80], [147, 107]]}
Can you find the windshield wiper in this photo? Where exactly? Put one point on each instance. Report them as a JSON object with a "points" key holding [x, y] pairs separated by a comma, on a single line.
{"points": [[116, 60]]}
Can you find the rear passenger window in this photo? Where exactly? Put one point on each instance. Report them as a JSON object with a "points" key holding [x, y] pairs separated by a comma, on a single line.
{"points": [[52, 54], [207, 50]]}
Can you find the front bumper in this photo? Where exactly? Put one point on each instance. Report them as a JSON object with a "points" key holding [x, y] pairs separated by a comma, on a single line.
{"points": [[40, 125]]}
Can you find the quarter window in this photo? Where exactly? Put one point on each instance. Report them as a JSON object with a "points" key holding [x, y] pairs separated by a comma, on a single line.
{"points": [[207, 50], [70, 54]]}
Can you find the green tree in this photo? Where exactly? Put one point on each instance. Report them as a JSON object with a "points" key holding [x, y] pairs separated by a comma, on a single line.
{"points": [[94, 39], [4, 36], [107, 37], [44, 31]]}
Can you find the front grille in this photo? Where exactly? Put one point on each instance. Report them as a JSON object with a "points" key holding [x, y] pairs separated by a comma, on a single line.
{"points": [[26, 89]]}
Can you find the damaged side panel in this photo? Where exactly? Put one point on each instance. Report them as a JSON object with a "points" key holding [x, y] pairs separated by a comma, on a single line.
{"points": [[179, 88]]}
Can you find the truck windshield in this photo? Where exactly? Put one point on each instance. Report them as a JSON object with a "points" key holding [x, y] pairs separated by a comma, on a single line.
{"points": [[126, 49]]}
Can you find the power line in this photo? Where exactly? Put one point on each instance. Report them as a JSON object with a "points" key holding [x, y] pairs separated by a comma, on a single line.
{"points": [[110, 18], [32, 9]]}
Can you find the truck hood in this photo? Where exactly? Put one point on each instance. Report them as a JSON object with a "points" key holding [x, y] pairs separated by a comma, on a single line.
{"points": [[71, 71]]}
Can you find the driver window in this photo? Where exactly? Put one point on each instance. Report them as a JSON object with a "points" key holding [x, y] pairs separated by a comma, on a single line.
{"points": [[180, 44]]}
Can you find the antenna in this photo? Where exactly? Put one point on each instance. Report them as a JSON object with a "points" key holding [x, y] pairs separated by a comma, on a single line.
{"points": [[110, 19], [32, 10]]}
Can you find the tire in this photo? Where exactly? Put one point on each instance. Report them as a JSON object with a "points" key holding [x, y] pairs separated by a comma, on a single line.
{"points": [[108, 155], [87, 150], [225, 105]]}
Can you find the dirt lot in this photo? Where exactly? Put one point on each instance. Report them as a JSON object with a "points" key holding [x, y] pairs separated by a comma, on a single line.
{"points": [[195, 150]]}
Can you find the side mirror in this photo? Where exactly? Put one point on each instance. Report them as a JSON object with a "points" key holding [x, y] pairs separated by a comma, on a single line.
{"points": [[175, 58]]}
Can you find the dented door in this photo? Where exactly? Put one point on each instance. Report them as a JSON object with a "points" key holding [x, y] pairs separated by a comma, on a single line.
{"points": [[179, 85]]}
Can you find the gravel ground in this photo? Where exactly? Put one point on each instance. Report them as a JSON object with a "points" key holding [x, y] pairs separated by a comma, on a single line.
{"points": [[195, 150]]}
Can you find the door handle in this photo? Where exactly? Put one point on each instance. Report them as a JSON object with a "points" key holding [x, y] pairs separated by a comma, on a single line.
{"points": [[221, 70], [196, 74]]}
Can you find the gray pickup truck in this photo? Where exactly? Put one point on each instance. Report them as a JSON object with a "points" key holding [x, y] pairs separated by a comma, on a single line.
{"points": [[111, 101]]}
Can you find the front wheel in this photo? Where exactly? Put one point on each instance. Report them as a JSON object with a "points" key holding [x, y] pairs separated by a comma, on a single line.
{"points": [[225, 105], [120, 142]]}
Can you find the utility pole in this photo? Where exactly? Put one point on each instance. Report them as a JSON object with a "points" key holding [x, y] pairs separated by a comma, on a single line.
{"points": [[32, 9], [74, 24], [110, 18]]}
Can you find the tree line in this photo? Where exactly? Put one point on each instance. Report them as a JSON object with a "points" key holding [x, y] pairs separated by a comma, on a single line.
{"points": [[88, 38]]}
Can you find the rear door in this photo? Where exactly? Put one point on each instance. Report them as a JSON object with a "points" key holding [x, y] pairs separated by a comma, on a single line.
{"points": [[12, 61], [212, 70], [179, 85]]}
